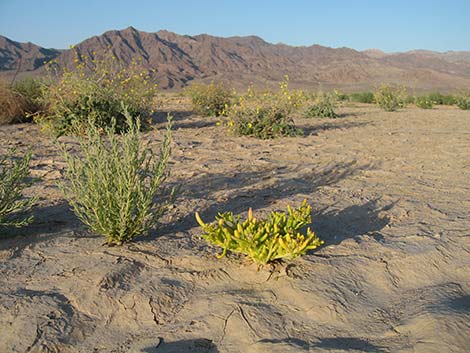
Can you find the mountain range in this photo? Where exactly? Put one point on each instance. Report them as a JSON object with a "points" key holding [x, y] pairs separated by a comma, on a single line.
{"points": [[177, 60]]}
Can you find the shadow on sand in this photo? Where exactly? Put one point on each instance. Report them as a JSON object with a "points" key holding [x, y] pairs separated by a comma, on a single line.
{"points": [[200, 345], [242, 193]]}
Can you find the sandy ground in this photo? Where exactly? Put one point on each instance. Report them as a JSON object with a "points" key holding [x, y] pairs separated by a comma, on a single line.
{"points": [[391, 193]]}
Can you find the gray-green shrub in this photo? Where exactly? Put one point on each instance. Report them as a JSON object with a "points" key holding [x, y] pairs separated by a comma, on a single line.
{"points": [[13, 179], [114, 183]]}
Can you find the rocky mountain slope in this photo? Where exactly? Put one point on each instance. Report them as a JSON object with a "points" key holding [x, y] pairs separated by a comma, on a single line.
{"points": [[239, 61], [23, 56]]}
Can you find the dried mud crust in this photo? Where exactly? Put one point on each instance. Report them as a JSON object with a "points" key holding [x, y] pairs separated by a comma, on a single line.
{"points": [[391, 193]]}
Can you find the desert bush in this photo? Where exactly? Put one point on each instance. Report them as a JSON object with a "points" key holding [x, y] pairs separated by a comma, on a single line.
{"points": [[362, 97], [424, 102], [12, 104], [441, 99], [31, 90], [323, 107], [341, 97], [13, 179], [114, 184], [209, 100], [261, 121], [281, 236], [390, 97], [94, 91], [463, 100], [266, 115]]}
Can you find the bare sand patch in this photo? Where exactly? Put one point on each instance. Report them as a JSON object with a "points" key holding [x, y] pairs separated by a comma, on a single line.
{"points": [[391, 193]]}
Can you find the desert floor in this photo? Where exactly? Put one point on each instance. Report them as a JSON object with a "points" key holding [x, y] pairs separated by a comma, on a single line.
{"points": [[391, 193]]}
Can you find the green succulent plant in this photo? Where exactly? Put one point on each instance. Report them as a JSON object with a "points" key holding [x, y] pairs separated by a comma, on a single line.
{"points": [[281, 236]]}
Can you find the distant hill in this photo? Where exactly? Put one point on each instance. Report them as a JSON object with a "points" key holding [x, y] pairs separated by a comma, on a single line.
{"points": [[26, 56], [239, 61]]}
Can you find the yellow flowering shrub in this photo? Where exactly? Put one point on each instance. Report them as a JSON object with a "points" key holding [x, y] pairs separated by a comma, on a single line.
{"points": [[323, 106], [390, 97], [94, 90], [209, 100], [266, 115]]}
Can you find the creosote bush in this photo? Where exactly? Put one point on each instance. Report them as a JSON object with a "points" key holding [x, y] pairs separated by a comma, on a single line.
{"points": [[114, 184], [390, 97], [209, 100], [13, 179], [323, 107], [95, 89], [281, 236], [424, 102]]}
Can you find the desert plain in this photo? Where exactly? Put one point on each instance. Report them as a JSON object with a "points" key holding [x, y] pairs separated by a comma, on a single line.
{"points": [[391, 199]]}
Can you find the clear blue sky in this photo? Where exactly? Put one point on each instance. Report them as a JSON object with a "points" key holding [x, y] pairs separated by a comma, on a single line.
{"points": [[390, 25]]}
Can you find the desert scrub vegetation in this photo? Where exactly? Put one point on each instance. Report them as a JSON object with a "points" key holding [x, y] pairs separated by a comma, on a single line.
{"points": [[14, 172], [324, 106], [209, 99], [362, 97], [442, 99], [31, 90], [114, 183], [266, 115], [19, 100], [424, 102], [280, 236], [11, 104], [94, 91], [463, 100], [390, 97]]}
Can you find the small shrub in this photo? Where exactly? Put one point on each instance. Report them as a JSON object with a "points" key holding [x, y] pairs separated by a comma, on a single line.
{"points": [[114, 185], [13, 179], [209, 100], [362, 97], [463, 101], [266, 115], [278, 237], [31, 90], [12, 105], [94, 91], [324, 107], [441, 99], [341, 97], [424, 102], [261, 121], [409, 99], [390, 97]]}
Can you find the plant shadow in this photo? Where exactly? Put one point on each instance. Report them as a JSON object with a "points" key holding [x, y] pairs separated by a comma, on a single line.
{"points": [[333, 343], [49, 222], [241, 191], [351, 222], [332, 125], [200, 345], [347, 344]]}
